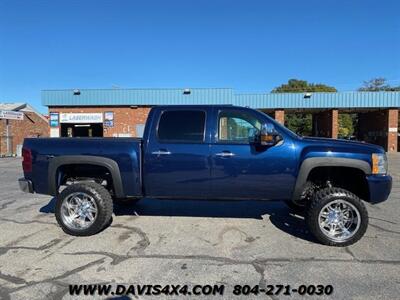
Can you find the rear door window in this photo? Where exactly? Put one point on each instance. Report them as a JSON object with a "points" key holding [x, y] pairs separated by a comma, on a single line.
{"points": [[182, 126]]}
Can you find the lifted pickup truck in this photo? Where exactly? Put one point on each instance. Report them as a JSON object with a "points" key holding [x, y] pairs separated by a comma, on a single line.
{"points": [[210, 152]]}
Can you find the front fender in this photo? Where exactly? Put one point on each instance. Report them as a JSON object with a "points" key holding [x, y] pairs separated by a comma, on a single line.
{"points": [[312, 162]]}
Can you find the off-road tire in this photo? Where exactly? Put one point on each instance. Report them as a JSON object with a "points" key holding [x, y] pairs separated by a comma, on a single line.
{"points": [[104, 207], [323, 197]]}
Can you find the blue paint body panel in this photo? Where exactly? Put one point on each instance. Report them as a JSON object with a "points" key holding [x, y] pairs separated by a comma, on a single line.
{"points": [[126, 152], [185, 173], [253, 172], [195, 170], [379, 188]]}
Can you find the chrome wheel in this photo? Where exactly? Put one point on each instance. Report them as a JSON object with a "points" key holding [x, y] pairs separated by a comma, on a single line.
{"points": [[339, 220], [78, 211]]}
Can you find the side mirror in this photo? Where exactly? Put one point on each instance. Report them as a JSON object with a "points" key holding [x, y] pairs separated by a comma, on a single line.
{"points": [[254, 136], [268, 135]]}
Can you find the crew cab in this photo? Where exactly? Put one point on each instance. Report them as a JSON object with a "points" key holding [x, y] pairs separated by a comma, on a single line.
{"points": [[210, 152]]}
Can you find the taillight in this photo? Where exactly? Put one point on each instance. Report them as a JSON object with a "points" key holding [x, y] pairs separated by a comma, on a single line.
{"points": [[27, 160]]}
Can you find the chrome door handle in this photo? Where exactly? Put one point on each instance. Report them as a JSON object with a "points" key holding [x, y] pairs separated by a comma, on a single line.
{"points": [[225, 154], [161, 152]]}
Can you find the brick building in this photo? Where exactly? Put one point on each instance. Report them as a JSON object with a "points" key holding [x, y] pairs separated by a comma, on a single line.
{"points": [[123, 112], [30, 123], [116, 121]]}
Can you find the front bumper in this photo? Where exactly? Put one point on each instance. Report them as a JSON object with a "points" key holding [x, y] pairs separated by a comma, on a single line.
{"points": [[379, 187], [25, 185]]}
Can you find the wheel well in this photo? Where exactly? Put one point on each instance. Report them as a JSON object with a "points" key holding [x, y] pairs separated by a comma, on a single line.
{"points": [[73, 173], [351, 179]]}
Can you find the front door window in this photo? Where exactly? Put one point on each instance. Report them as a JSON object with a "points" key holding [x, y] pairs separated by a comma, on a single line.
{"points": [[237, 127]]}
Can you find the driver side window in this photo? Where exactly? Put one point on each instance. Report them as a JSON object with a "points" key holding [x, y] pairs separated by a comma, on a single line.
{"points": [[237, 127]]}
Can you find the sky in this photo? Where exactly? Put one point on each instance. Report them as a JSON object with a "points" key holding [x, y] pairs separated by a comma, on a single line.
{"points": [[250, 46]]}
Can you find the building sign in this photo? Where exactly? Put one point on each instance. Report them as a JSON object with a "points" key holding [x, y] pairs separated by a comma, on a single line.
{"points": [[392, 129], [109, 119], [54, 119], [81, 118], [11, 115], [109, 123], [109, 116], [54, 132]]}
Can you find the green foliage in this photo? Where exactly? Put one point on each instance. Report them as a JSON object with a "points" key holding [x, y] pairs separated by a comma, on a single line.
{"points": [[378, 84], [346, 124], [301, 123], [299, 86]]}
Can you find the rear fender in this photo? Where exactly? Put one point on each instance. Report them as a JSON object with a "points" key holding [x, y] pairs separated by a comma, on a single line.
{"points": [[109, 164]]}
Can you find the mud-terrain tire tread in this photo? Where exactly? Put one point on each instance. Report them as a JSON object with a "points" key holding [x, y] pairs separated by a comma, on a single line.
{"points": [[104, 207], [321, 198]]}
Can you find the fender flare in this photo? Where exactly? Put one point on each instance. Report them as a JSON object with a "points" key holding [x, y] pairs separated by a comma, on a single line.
{"points": [[310, 163], [109, 164]]}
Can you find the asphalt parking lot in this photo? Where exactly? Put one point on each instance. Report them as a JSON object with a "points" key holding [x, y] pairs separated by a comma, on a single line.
{"points": [[191, 242]]}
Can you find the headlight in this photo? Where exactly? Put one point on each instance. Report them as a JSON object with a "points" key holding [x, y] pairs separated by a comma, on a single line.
{"points": [[379, 163]]}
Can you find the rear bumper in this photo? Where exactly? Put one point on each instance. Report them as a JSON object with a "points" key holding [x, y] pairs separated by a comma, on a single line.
{"points": [[379, 187], [25, 185]]}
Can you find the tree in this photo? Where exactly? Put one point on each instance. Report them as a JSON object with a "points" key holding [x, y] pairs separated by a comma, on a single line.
{"points": [[299, 86], [346, 124], [378, 84], [301, 123]]}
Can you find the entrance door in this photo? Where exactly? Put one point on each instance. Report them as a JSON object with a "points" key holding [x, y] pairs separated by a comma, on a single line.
{"points": [[243, 170], [81, 130], [176, 162]]}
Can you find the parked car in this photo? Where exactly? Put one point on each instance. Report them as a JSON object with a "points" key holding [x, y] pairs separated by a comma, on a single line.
{"points": [[210, 152]]}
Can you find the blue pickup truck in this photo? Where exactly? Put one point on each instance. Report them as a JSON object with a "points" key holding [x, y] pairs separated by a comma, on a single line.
{"points": [[210, 152]]}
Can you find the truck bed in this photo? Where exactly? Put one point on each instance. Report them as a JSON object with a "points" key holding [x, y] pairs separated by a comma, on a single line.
{"points": [[126, 152]]}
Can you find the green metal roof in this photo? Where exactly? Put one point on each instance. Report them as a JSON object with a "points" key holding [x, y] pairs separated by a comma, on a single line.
{"points": [[117, 97]]}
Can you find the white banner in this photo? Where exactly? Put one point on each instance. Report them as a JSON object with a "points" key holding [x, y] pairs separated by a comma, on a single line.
{"points": [[81, 118], [11, 115], [54, 132]]}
